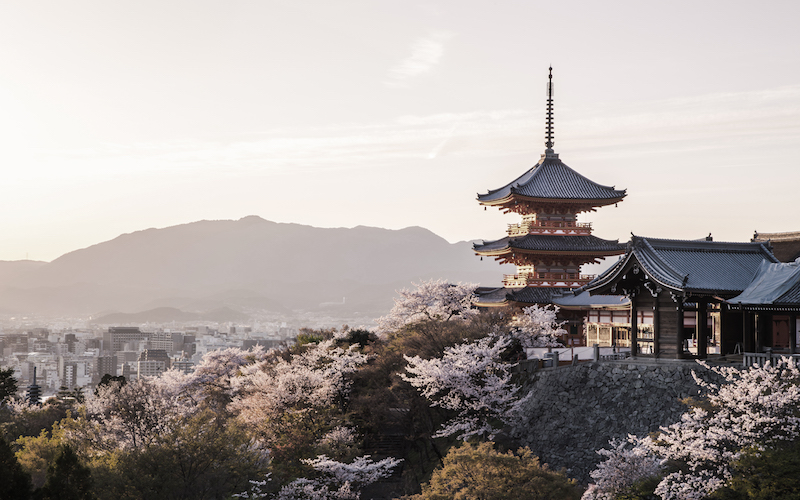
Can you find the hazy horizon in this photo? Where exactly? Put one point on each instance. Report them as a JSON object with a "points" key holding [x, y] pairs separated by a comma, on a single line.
{"points": [[115, 118]]}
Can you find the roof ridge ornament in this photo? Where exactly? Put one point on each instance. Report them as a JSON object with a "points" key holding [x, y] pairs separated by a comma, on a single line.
{"points": [[549, 140]]}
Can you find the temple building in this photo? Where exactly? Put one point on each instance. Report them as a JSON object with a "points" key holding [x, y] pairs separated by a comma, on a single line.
{"points": [[549, 245], [688, 287], [785, 246]]}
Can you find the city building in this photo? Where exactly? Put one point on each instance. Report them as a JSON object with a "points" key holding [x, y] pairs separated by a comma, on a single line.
{"points": [[118, 337], [106, 365]]}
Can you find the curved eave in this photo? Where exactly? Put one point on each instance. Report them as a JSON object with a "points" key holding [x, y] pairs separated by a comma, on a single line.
{"points": [[605, 279], [604, 282], [478, 303], [583, 253], [514, 197]]}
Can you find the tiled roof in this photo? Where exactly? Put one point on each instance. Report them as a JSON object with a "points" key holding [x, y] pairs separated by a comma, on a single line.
{"points": [[774, 284], [582, 300], [552, 243], [692, 266], [791, 297], [527, 295], [552, 179], [563, 297], [535, 294], [487, 296]]}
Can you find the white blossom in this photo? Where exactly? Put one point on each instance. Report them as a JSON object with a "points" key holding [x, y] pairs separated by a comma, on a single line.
{"points": [[135, 414], [337, 481], [694, 486], [362, 471], [469, 378], [339, 436], [626, 463], [755, 408], [433, 300], [537, 327], [315, 378]]}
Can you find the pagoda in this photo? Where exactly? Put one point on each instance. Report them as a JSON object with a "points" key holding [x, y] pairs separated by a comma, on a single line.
{"points": [[549, 245]]}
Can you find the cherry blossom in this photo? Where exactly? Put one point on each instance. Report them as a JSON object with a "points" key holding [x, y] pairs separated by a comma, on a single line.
{"points": [[753, 408], [315, 378], [537, 327], [337, 481], [433, 300], [469, 378], [626, 463], [135, 414]]}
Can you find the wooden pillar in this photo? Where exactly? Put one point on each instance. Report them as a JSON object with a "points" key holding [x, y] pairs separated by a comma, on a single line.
{"points": [[656, 327], [702, 329], [759, 333], [749, 331], [793, 333], [679, 327], [634, 327]]}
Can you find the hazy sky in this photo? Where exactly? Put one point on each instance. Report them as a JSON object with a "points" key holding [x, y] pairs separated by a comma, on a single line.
{"points": [[120, 116]]}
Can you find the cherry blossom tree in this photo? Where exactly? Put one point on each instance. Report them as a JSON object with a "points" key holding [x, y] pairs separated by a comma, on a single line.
{"points": [[294, 404], [626, 463], [471, 379], [316, 377], [133, 415], [336, 481], [537, 327], [432, 300], [751, 409]]}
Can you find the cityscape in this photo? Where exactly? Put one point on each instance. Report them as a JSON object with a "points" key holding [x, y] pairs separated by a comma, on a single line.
{"points": [[405, 250]]}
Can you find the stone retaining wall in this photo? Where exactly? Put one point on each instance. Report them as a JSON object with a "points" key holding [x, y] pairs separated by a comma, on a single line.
{"points": [[576, 410]]}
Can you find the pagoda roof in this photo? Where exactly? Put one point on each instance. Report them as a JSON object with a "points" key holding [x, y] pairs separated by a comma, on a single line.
{"points": [[563, 297], [544, 243], [502, 296], [694, 267], [552, 180]]}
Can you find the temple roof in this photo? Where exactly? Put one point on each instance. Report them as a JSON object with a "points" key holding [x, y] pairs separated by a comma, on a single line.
{"points": [[529, 295], [697, 266], [551, 179], [774, 284], [562, 297], [544, 243]]}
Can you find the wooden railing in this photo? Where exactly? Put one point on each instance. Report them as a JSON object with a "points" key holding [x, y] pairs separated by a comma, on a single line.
{"points": [[549, 227], [547, 279], [760, 358]]}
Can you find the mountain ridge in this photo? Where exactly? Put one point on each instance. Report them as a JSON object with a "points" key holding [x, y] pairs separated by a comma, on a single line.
{"points": [[279, 266]]}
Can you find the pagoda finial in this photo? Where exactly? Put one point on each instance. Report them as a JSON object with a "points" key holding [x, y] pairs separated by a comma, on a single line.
{"points": [[549, 142]]}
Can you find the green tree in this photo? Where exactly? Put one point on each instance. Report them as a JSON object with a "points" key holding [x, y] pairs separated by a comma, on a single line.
{"points": [[764, 475], [67, 478], [15, 483], [37, 453], [479, 472], [200, 458], [8, 385]]}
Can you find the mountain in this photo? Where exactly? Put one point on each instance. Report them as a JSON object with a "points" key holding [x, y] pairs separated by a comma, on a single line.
{"points": [[247, 265]]}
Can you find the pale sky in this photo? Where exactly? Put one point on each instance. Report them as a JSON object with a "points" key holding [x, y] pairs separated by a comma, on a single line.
{"points": [[121, 116]]}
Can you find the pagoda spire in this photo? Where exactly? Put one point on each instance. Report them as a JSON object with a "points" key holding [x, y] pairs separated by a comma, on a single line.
{"points": [[549, 142]]}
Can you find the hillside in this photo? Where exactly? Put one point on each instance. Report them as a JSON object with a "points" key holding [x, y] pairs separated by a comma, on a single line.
{"points": [[249, 264]]}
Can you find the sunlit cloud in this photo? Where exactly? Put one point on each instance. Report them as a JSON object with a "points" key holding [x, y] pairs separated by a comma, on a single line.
{"points": [[426, 53], [691, 125]]}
